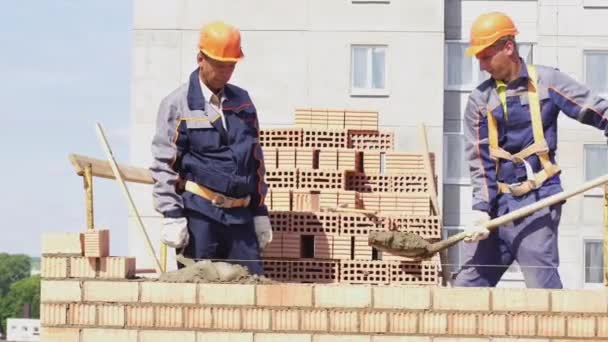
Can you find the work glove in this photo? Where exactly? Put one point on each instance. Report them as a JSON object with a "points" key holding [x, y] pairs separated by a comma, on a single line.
{"points": [[263, 230], [476, 231], [174, 232]]}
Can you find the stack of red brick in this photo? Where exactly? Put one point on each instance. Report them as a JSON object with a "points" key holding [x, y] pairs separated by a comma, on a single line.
{"points": [[333, 158]]}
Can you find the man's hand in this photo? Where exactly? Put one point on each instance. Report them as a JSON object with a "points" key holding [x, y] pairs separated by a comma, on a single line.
{"points": [[476, 231], [263, 230], [175, 232]]}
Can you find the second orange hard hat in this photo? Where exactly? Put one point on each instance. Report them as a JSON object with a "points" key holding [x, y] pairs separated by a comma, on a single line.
{"points": [[487, 29], [221, 42]]}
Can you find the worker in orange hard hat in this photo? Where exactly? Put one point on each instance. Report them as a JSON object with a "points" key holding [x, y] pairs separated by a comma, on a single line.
{"points": [[208, 164], [510, 127]]}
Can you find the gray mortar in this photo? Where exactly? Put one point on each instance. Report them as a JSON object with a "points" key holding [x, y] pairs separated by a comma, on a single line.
{"points": [[206, 271]]}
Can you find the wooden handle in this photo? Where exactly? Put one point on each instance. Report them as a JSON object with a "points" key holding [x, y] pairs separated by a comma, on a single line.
{"points": [[426, 157]]}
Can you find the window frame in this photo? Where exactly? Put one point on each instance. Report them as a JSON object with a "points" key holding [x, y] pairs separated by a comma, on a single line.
{"points": [[598, 191], [446, 178], [586, 53], [369, 92], [585, 240]]}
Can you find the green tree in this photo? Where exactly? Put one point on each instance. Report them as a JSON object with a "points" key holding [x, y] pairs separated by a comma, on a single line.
{"points": [[22, 292], [12, 269]]}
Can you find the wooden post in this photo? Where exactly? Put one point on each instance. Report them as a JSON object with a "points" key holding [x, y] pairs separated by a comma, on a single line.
{"points": [[88, 190]]}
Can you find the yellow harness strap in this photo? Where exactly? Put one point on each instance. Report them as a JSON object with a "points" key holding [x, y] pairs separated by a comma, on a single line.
{"points": [[539, 147]]}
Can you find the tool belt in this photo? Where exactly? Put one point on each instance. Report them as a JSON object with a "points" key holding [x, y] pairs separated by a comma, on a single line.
{"points": [[217, 199]]}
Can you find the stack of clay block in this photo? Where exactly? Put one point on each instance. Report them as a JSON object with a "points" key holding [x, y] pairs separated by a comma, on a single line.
{"points": [[334, 159], [82, 256]]}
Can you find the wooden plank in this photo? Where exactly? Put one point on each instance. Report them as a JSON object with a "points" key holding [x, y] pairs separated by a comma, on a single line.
{"points": [[101, 168]]}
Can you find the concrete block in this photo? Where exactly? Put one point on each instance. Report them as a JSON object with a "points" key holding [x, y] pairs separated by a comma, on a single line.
{"points": [[49, 334], [224, 337], [293, 295], [314, 320], [282, 337], [168, 317], [111, 291], [173, 336], [140, 316], [342, 296], [111, 315], [285, 319], [399, 297], [104, 335], [521, 325], [82, 314], [403, 322], [551, 326], [116, 267], [374, 322], [97, 243], [580, 326], [504, 299], [62, 243], [226, 294], [462, 324], [341, 338], [60, 291], [197, 317], [169, 293], [255, 319], [492, 324], [586, 301], [53, 314], [461, 299], [343, 321], [83, 267], [226, 318], [432, 323], [53, 267]]}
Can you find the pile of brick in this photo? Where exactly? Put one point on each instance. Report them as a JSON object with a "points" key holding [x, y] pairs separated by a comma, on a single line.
{"points": [[332, 158]]}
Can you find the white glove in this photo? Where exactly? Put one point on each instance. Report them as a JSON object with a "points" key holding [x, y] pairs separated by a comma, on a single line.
{"points": [[476, 231], [263, 230], [175, 232]]}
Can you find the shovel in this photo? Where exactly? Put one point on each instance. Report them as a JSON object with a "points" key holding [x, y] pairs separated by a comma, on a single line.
{"points": [[412, 245]]}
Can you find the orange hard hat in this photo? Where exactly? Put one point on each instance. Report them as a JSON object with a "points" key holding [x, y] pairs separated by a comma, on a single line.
{"points": [[487, 29], [221, 42]]}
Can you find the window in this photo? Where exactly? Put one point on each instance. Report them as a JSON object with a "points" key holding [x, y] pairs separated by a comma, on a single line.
{"points": [[368, 70], [455, 165], [455, 253], [462, 72], [594, 261], [596, 71], [596, 161], [595, 3]]}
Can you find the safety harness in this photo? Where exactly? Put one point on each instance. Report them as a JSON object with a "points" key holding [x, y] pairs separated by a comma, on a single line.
{"points": [[539, 147]]}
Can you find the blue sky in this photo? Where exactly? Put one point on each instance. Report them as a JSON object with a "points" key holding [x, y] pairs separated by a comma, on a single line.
{"points": [[64, 65]]}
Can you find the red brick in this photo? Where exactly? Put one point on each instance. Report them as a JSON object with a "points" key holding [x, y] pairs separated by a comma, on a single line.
{"points": [[343, 321], [82, 314], [278, 337], [581, 326], [461, 299], [374, 322], [292, 295], [400, 297], [400, 339], [551, 326], [168, 293], [140, 316], [492, 324], [111, 291], [226, 294], [116, 267], [584, 301], [461, 339], [97, 243], [602, 326], [62, 243], [173, 336], [60, 291], [285, 319], [53, 314], [198, 317], [522, 325], [168, 317], [256, 319], [343, 296], [54, 267], [403, 322], [104, 335], [83, 267], [462, 324], [222, 336], [226, 318], [520, 300], [431, 323], [50, 334], [341, 338], [314, 320], [111, 315]]}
